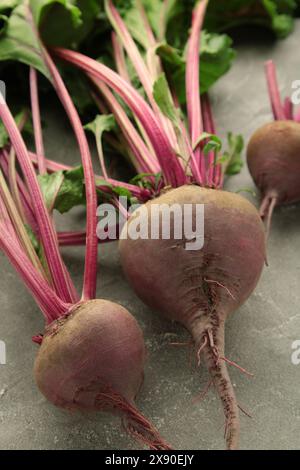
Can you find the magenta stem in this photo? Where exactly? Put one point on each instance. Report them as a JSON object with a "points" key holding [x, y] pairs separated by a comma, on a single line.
{"points": [[23, 193], [142, 71], [56, 266], [36, 117], [214, 171], [289, 108], [51, 305], [146, 162], [76, 239], [193, 84], [90, 271], [278, 110], [170, 165], [119, 57]]}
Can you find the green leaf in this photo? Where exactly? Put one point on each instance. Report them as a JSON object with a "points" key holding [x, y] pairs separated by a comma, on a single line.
{"points": [[214, 142], [162, 96], [216, 56], [66, 22], [27, 129], [282, 24], [60, 22], [34, 241], [233, 157], [101, 123], [274, 14], [19, 42], [50, 186], [72, 191], [119, 191], [63, 190]]}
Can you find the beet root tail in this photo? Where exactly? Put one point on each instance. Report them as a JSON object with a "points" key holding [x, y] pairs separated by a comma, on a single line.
{"points": [[213, 353], [266, 211], [143, 431], [133, 422]]}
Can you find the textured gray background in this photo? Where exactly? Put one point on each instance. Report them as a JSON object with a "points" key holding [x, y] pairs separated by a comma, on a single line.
{"points": [[259, 336]]}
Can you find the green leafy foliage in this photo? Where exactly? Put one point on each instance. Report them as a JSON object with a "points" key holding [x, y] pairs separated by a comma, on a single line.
{"points": [[212, 142], [163, 98], [63, 190], [27, 129], [216, 56], [147, 180], [232, 158], [275, 14], [60, 22], [102, 123]]}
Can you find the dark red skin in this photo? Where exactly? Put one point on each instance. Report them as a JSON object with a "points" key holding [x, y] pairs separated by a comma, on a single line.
{"points": [[171, 279], [199, 289], [273, 157], [93, 360]]}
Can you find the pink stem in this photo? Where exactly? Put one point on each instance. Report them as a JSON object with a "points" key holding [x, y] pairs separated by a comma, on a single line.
{"points": [[141, 193], [146, 163], [193, 84], [289, 108], [278, 110], [119, 57], [214, 170], [23, 193], [76, 239], [170, 165], [52, 306], [48, 236], [36, 117], [141, 68], [90, 272]]}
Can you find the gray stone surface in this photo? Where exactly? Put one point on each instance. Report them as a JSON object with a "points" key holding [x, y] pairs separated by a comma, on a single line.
{"points": [[259, 336]]}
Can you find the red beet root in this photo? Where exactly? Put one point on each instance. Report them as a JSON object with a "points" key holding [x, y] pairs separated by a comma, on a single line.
{"points": [[273, 153], [199, 289], [93, 360], [273, 157]]}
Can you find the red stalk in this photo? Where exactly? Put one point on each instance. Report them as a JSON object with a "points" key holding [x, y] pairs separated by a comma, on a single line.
{"points": [[193, 85], [76, 239], [119, 57], [51, 305], [278, 110], [289, 108], [170, 165], [122, 70], [60, 277], [36, 117], [146, 163], [214, 178], [90, 272], [143, 73], [23, 193]]}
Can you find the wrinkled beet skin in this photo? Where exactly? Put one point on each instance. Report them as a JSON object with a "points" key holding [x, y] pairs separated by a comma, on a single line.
{"points": [[177, 282], [273, 157], [99, 346]]}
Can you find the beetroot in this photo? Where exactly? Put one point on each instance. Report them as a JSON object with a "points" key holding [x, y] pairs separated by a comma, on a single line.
{"points": [[93, 360], [273, 155], [199, 289]]}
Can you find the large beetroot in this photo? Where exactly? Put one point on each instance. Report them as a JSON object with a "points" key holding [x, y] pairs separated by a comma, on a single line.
{"points": [[199, 289]]}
